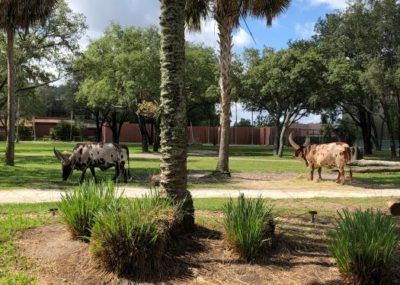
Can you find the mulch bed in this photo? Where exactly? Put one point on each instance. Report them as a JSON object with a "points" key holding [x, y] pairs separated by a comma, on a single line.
{"points": [[202, 257]]}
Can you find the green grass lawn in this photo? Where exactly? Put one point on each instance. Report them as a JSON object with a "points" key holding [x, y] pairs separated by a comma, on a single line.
{"points": [[36, 166], [15, 218]]}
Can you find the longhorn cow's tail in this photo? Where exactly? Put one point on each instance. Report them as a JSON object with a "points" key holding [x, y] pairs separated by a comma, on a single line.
{"points": [[127, 152]]}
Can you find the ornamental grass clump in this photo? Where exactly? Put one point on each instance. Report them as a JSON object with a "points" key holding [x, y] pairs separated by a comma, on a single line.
{"points": [[363, 244], [80, 207], [249, 225], [132, 239]]}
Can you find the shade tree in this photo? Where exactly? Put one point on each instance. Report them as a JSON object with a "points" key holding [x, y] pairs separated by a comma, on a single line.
{"points": [[288, 84]]}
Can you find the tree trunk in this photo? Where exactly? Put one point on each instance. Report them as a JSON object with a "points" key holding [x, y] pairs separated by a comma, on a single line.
{"points": [[114, 127], [377, 170], [276, 136], [368, 163], [173, 164], [398, 121], [99, 126], [225, 59], [389, 124], [281, 140], [143, 133], [10, 145], [366, 132], [156, 143], [375, 137]]}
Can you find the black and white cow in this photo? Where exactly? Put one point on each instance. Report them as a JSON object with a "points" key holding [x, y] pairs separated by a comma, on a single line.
{"points": [[91, 155]]}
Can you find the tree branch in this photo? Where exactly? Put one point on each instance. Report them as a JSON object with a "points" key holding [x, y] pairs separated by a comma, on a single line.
{"points": [[36, 86]]}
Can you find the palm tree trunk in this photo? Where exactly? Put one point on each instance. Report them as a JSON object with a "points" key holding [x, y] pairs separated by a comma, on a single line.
{"points": [[10, 146], [225, 58], [173, 108]]}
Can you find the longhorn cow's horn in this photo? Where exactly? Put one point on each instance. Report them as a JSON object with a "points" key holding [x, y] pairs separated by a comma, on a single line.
{"points": [[59, 155], [307, 142], [292, 143]]}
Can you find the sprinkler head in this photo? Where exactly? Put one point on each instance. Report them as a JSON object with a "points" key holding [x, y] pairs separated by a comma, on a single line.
{"points": [[53, 211], [313, 214]]}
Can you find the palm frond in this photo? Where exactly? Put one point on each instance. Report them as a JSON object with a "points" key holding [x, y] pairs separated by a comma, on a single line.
{"points": [[23, 13], [195, 11], [268, 9]]}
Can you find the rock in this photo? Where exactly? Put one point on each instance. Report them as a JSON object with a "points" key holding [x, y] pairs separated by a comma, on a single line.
{"points": [[394, 207]]}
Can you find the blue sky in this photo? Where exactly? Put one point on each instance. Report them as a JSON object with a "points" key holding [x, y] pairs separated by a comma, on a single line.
{"points": [[296, 23]]}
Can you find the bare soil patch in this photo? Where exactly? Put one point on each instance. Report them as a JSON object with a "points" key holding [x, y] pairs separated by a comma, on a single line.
{"points": [[299, 257]]}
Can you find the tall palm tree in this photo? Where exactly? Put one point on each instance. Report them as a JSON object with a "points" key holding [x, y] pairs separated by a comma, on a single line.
{"points": [[173, 107], [14, 15], [227, 14]]}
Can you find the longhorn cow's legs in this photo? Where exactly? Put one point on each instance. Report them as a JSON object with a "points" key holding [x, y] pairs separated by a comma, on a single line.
{"points": [[312, 173], [93, 174], [343, 177], [82, 176], [340, 178], [319, 174]]}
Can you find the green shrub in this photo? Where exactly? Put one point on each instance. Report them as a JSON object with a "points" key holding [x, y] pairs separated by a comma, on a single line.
{"points": [[80, 207], [363, 245], [248, 225], [25, 133], [131, 239], [62, 131]]}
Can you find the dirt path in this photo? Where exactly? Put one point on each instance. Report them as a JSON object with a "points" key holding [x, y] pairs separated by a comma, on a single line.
{"points": [[274, 192]]}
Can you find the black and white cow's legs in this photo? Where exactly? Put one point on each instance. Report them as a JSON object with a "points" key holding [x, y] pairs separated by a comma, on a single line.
{"points": [[93, 174], [83, 175], [124, 172], [117, 172]]}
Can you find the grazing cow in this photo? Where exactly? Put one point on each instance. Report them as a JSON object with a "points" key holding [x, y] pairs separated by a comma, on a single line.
{"points": [[336, 154], [91, 155]]}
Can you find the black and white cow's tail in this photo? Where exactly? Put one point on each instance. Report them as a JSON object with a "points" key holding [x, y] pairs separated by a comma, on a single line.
{"points": [[128, 169]]}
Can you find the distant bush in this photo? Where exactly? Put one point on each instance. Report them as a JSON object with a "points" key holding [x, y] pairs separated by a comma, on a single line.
{"points": [[363, 245], [131, 239], [80, 207], [62, 131], [248, 225], [25, 133]]}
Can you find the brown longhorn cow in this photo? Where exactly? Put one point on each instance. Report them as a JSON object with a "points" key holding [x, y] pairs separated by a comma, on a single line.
{"points": [[330, 155]]}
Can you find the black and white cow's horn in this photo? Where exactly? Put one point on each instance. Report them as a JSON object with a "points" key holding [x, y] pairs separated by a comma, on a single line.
{"points": [[307, 142], [59, 155], [292, 143]]}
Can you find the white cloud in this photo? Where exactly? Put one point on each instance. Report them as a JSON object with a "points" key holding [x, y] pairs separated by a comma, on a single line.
{"points": [[242, 38], [334, 4], [305, 31], [208, 34], [139, 13], [100, 13]]}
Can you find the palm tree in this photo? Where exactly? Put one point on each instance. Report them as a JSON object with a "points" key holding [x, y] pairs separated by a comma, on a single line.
{"points": [[227, 14], [173, 107], [14, 15]]}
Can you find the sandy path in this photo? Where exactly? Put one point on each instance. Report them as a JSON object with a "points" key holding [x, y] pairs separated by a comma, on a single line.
{"points": [[36, 196]]}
